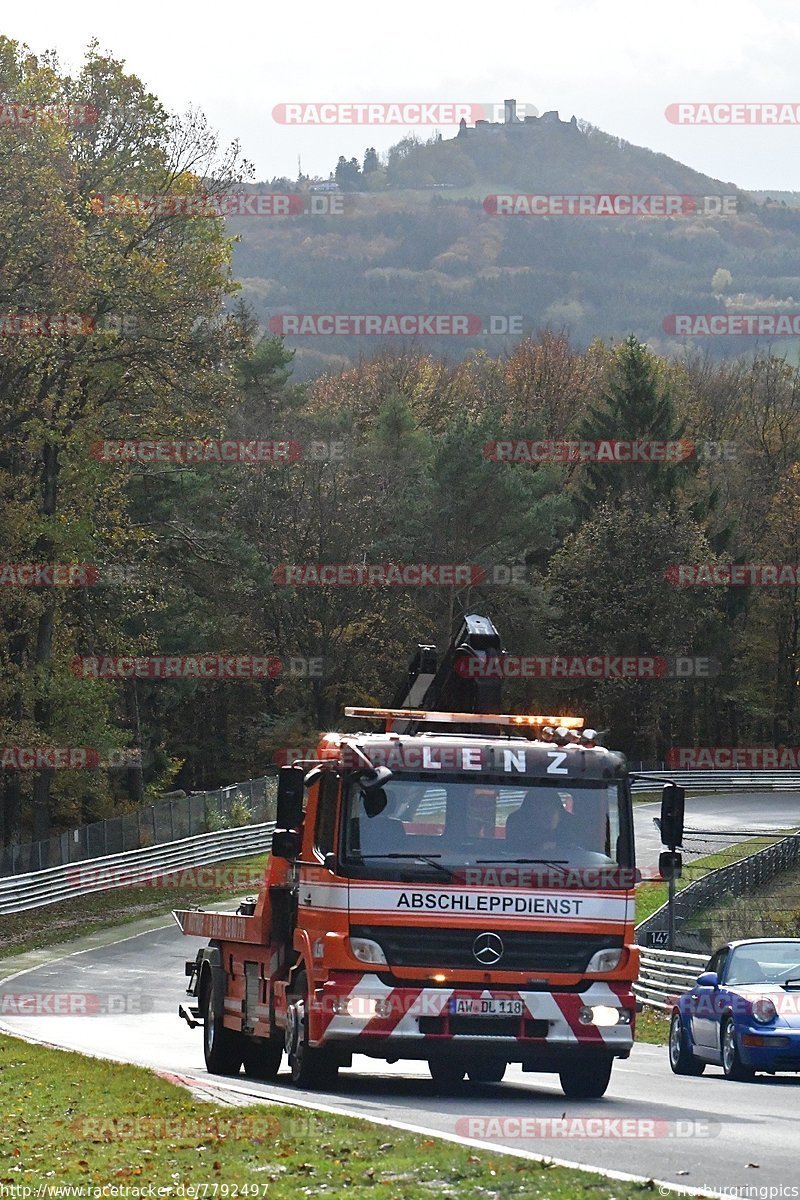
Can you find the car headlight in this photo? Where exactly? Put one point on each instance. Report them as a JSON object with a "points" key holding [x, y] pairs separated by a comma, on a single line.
{"points": [[603, 960], [367, 951], [764, 1010]]}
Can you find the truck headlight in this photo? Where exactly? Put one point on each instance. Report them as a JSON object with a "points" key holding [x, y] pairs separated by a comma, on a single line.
{"points": [[603, 960], [764, 1010], [367, 951], [603, 1014]]}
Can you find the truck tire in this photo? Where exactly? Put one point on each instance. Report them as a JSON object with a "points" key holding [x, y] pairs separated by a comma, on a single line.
{"points": [[262, 1057], [447, 1073], [312, 1067], [491, 1070], [223, 1048], [586, 1080], [681, 1059]]}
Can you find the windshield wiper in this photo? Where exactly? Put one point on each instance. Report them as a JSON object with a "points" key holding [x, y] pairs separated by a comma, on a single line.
{"points": [[787, 983], [545, 862], [426, 858]]}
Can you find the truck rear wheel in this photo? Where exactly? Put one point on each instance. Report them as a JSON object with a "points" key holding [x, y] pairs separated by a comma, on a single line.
{"points": [[586, 1080], [223, 1048], [262, 1059], [311, 1066], [447, 1073]]}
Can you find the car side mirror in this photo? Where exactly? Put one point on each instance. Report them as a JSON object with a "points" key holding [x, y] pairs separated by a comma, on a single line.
{"points": [[708, 979]]}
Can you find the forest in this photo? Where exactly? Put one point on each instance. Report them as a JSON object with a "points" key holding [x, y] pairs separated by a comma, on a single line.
{"points": [[134, 329]]}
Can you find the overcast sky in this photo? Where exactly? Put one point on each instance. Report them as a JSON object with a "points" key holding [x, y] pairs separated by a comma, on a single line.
{"points": [[615, 63]]}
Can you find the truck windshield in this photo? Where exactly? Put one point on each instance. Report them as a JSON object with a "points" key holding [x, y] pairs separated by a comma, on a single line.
{"points": [[456, 822]]}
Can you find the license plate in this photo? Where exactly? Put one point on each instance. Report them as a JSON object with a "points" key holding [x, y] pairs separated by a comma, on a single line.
{"points": [[477, 1006]]}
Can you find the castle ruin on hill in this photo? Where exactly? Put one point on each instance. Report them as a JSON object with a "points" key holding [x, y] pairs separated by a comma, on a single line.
{"points": [[512, 121]]}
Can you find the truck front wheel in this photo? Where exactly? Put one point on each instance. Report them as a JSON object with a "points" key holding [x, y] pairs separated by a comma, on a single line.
{"points": [[312, 1067], [223, 1048], [586, 1080], [488, 1070], [447, 1073]]}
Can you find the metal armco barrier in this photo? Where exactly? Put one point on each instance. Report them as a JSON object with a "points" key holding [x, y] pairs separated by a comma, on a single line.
{"points": [[724, 781], [737, 879], [664, 974], [20, 893], [170, 819]]}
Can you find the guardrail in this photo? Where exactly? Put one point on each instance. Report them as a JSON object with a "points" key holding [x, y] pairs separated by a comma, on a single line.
{"points": [[168, 820], [736, 879], [19, 893], [758, 781], [664, 974]]}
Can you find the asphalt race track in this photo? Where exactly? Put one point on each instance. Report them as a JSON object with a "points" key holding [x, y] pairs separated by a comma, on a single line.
{"points": [[692, 1133]]}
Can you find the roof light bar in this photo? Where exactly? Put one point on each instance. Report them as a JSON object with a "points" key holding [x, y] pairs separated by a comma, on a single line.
{"points": [[446, 718]]}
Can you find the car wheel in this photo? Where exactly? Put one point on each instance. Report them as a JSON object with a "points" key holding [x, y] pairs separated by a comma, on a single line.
{"points": [[447, 1073], [732, 1064], [312, 1067], [586, 1080], [222, 1048], [681, 1059], [491, 1070]]}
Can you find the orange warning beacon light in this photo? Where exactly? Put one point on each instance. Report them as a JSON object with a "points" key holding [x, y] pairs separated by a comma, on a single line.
{"points": [[523, 720]]}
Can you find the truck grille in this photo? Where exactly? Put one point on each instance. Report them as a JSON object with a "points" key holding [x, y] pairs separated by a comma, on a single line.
{"points": [[522, 950]]}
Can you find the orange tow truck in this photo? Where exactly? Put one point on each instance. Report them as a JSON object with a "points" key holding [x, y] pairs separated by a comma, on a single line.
{"points": [[456, 887]]}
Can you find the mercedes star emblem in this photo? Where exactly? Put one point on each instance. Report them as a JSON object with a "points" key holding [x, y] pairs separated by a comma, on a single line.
{"points": [[488, 948]]}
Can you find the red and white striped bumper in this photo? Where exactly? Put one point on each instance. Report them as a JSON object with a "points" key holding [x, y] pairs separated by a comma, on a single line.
{"points": [[346, 1009]]}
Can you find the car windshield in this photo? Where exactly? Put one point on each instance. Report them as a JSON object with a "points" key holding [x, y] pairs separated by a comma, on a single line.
{"points": [[454, 822], [764, 962]]}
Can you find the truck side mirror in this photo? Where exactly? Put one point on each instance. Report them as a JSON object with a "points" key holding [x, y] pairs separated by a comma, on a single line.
{"points": [[289, 814], [368, 781], [673, 802], [285, 844]]}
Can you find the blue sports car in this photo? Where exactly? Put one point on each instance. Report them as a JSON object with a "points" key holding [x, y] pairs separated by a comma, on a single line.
{"points": [[743, 1013]]}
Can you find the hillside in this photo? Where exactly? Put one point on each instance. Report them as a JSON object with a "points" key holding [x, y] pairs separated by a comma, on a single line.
{"points": [[420, 240]]}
